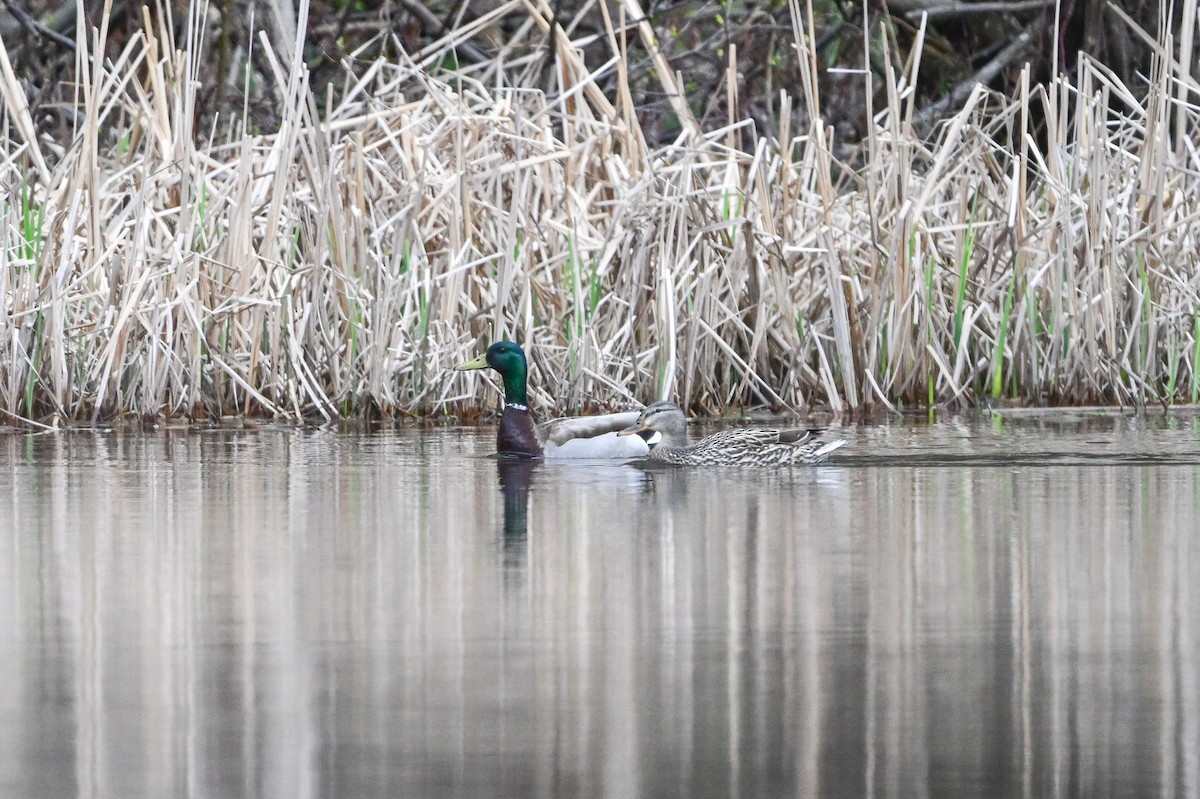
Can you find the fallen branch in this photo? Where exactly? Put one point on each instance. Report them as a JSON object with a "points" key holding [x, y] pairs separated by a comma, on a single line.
{"points": [[37, 27], [1016, 50], [959, 9]]}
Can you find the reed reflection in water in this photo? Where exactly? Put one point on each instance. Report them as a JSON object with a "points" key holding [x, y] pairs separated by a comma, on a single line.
{"points": [[297, 614]]}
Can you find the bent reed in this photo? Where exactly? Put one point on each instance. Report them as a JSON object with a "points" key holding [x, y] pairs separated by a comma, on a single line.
{"points": [[341, 266]]}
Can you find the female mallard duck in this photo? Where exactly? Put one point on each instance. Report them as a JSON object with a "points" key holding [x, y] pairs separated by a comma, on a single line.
{"points": [[663, 427], [575, 437]]}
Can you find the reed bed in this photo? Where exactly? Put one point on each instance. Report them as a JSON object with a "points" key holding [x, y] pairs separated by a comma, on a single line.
{"points": [[340, 266]]}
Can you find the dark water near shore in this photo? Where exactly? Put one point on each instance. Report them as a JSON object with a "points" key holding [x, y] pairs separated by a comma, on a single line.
{"points": [[984, 608]]}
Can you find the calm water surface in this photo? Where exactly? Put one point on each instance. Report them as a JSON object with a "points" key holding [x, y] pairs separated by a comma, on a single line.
{"points": [[991, 608]]}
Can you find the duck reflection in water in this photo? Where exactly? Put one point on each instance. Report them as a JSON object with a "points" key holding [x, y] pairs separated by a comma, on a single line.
{"points": [[516, 476]]}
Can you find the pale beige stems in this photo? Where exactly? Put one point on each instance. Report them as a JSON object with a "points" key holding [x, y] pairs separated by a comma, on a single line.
{"points": [[157, 115], [831, 392], [458, 34], [633, 138], [666, 77], [806, 59], [14, 97], [87, 175], [766, 393], [951, 144], [1183, 71], [970, 315], [118, 336], [1157, 46], [913, 73], [541, 13], [286, 142], [667, 327]]}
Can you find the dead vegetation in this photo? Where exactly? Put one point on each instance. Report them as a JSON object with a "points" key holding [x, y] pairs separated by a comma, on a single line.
{"points": [[340, 266]]}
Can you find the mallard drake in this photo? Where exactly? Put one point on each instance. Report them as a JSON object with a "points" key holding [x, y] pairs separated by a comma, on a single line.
{"points": [[663, 427], [571, 437]]}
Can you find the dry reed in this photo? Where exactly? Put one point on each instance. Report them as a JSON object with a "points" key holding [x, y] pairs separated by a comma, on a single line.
{"points": [[340, 266]]}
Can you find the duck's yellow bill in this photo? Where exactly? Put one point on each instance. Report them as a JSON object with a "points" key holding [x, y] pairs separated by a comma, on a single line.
{"points": [[477, 363]]}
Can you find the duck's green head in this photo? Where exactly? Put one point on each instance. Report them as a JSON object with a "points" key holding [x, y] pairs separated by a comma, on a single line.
{"points": [[508, 359]]}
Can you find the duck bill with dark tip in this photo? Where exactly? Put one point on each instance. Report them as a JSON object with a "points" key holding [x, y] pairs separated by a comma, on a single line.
{"points": [[651, 437]]}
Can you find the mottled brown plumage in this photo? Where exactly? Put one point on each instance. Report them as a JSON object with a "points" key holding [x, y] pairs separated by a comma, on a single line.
{"points": [[663, 426]]}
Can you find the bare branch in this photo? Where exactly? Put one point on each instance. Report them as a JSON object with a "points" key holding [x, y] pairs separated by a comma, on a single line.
{"points": [[956, 9], [1005, 58]]}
